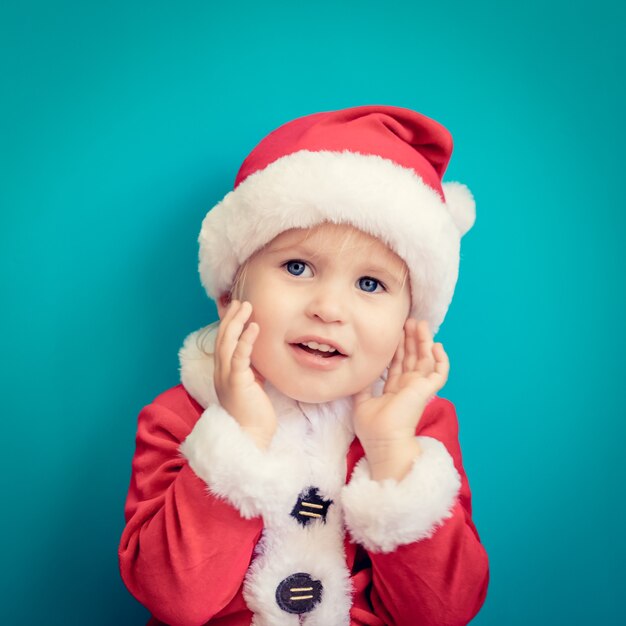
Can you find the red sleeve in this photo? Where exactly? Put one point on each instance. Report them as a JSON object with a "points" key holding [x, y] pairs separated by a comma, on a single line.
{"points": [[184, 552], [441, 580]]}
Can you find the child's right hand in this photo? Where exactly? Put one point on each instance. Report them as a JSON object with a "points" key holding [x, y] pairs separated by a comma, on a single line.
{"points": [[239, 387]]}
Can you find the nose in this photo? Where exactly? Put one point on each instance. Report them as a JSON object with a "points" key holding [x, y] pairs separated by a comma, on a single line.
{"points": [[326, 303]]}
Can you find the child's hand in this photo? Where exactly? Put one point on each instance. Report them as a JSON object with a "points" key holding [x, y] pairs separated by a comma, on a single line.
{"points": [[238, 387], [386, 425]]}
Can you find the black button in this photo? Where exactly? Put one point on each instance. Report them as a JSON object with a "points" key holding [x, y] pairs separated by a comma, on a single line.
{"points": [[298, 593], [310, 507]]}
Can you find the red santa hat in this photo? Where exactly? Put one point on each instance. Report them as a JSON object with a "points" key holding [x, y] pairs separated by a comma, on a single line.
{"points": [[378, 168]]}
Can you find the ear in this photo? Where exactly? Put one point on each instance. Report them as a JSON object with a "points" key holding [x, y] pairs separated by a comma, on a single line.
{"points": [[222, 304]]}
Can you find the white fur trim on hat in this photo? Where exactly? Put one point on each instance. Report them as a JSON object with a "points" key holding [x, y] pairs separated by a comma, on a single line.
{"points": [[373, 194], [382, 515]]}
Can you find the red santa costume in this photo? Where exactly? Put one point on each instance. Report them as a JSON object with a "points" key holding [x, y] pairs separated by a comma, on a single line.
{"points": [[221, 532]]}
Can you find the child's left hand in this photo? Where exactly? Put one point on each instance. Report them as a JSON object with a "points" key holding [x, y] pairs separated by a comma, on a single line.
{"points": [[386, 425]]}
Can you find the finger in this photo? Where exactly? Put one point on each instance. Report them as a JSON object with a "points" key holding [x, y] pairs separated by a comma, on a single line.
{"points": [[232, 333], [410, 348], [225, 322], [243, 349], [442, 362], [232, 308], [438, 377], [425, 358], [221, 366], [395, 367]]}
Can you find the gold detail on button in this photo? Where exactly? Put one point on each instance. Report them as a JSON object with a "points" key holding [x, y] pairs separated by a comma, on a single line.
{"points": [[312, 506]]}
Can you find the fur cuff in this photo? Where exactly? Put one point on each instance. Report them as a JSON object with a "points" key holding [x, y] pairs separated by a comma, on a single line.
{"points": [[384, 515], [233, 466]]}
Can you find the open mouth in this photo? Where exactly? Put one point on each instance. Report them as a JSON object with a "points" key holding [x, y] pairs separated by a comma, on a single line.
{"points": [[321, 350]]}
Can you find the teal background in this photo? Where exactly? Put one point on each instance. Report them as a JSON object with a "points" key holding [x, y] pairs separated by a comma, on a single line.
{"points": [[122, 123]]}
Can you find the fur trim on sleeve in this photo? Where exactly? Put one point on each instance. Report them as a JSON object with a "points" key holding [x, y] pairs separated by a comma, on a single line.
{"points": [[384, 515], [234, 467]]}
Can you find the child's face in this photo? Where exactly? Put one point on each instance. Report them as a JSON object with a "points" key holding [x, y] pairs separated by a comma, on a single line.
{"points": [[331, 285]]}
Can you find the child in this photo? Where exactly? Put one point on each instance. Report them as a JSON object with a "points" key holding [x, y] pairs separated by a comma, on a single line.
{"points": [[305, 472]]}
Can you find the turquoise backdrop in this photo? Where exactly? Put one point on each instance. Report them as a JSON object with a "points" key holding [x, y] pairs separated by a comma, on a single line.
{"points": [[122, 123]]}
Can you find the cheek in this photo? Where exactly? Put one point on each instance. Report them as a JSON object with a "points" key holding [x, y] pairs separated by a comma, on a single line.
{"points": [[263, 357], [259, 301], [385, 346], [271, 335]]}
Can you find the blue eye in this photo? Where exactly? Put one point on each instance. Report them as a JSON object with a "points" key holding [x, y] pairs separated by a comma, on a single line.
{"points": [[296, 268], [369, 284]]}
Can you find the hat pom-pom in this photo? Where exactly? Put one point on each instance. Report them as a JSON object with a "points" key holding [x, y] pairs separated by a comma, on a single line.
{"points": [[461, 204]]}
